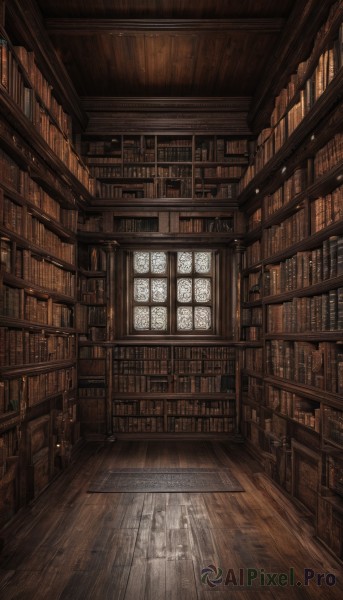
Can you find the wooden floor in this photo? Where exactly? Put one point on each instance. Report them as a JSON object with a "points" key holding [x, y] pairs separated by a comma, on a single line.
{"points": [[73, 545]]}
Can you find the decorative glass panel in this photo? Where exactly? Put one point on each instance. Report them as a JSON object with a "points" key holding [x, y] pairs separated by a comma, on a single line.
{"points": [[202, 262], [184, 318], [202, 290], [184, 262], [141, 262], [159, 318], [158, 262], [141, 290], [184, 290], [141, 317], [202, 317], [159, 290]]}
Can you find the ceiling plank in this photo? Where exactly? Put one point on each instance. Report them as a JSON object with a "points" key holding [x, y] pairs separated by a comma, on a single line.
{"points": [[84, 26]]}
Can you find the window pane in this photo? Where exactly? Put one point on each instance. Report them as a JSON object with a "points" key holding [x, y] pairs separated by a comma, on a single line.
{"points": [[202, 317], [159, 318], [141, 262], [158, 262], [184, 262], [202, 290], [184, 290], [141, 290], [141, 317], [202, 262], [159, 290], [184, 318]]}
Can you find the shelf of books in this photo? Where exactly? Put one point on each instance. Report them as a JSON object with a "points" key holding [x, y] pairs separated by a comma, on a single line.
{"points": [[292, 289], [170, 168], [174, 389], [43, 181]]}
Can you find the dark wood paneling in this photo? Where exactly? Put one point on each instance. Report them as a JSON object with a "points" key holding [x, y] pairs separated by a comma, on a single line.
{"points": [[168, 9], [166, 64]]}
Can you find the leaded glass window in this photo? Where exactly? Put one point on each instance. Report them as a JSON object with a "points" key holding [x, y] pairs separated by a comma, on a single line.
{"points": [[173, 291]]}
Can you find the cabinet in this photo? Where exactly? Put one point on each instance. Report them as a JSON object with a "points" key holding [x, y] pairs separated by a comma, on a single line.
{"points": [[291, 290]]}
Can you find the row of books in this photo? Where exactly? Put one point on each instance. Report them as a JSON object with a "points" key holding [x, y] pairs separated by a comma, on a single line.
{"points": [[333, 425], [279, 237], [138, 425], [18, 347], [20, 181], [87, 389], [139, 367], [327, 210], [40, 235], [205, 352], [325, 67], [220, 171], [200, 424], [204, 366], [252, 316], [91, 290], [108, 172], [48, 275], [211, 150], [135, 224], [313, 364], [141, 407], [21, 305], [173, 153], [200, 408], [142, 352], [253, 254], [220, 191], [91, 223], [254, 220], [205, 224], [138, 383], [114, 190], [174, 171], [252, 286], [39, 387], [294, 406], [204, 384], [305, 268], [89, 315], [283, 123], [291, 187], [174, 188], [304, 315], [252, 333], [329, 156], [42, 110]]}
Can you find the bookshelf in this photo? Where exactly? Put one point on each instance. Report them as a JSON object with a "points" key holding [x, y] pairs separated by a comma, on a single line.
{"points": [[43, 183], [173, 389], [170, 168], [291, 289]]}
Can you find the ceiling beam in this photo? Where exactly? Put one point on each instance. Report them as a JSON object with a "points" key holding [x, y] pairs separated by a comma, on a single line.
{"points": [[184, 115], [86, 26]]}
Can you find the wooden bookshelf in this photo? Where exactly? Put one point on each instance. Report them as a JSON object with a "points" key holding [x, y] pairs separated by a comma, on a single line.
{"points": [[291, 289], [43, 183]]}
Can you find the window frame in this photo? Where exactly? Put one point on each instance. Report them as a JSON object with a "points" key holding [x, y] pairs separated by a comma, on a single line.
{"points": [[172, 303]]}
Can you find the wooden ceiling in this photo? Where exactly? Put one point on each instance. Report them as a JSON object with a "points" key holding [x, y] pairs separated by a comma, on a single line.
{"points": [[168, 64], [166, 48]]}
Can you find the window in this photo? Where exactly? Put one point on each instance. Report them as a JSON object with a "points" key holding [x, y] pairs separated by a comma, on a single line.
{"points": [[173, 291]]}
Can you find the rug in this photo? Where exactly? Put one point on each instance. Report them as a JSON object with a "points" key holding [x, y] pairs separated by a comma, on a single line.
{"points": [[165, 480]]}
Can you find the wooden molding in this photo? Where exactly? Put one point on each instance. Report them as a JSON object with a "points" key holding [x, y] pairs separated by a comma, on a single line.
{"points": [[87, 26], [167, 114]]}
